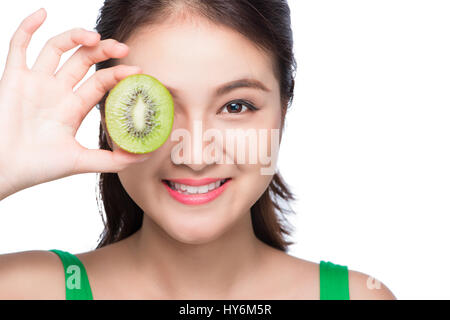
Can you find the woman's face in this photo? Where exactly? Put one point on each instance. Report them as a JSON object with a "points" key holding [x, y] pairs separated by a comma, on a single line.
{"points": [[192, 60]]}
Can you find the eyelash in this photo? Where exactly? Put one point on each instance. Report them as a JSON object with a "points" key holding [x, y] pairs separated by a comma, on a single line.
{"points": [[249, 105]]}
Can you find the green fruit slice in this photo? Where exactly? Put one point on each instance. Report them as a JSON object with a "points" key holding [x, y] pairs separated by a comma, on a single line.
{"points": [[139, 113]]}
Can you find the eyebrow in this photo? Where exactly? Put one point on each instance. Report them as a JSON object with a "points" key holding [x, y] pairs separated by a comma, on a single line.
{"points": [[230, 86]]}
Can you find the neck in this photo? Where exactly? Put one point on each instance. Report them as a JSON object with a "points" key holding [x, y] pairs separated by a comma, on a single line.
{"points": [[219, 268]]}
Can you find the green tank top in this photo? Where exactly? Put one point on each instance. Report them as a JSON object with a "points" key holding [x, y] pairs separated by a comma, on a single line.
{"points": [[333, 279], [76, 279]]}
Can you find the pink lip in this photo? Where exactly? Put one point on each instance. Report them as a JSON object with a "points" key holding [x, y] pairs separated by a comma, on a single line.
{"points": [[196, 199]]}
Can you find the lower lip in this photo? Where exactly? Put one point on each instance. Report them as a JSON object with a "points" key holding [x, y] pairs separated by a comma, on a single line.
{"points": [[199, 198]]}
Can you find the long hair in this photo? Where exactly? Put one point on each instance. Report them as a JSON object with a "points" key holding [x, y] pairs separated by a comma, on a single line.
{"points": [[267, 24]]}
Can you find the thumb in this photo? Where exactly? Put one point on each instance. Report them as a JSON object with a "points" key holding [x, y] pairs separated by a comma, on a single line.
{"points": [[99, 160]]}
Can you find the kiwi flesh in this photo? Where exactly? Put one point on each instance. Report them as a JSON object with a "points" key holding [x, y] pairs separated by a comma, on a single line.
{"points": [[139, 113]]}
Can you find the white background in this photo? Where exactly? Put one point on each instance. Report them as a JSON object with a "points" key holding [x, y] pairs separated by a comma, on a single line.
{"points": [[366, 147]]}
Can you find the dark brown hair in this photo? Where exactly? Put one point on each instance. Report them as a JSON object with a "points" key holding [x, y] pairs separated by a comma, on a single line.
{"points": [[267, 24]]}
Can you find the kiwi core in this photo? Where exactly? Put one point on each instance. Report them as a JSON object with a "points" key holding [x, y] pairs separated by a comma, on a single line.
{"points": [[139, 113]]}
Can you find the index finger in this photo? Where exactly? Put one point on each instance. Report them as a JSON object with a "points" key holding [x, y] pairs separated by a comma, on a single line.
{"points": [[21, 39]]}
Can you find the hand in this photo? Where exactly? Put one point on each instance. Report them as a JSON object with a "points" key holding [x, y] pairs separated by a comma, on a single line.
{"points": [[40, 112]]}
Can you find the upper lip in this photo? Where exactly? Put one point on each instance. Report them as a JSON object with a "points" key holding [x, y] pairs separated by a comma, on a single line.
{"points": [[196, 182]]}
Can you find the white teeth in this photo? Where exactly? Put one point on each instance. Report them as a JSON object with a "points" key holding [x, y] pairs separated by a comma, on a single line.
{"points": [[203, 189], [192, 189], [186, 189]]}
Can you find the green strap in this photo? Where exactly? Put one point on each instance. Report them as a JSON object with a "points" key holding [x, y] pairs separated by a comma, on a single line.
{"points": [[77, 282], [333, 281]]}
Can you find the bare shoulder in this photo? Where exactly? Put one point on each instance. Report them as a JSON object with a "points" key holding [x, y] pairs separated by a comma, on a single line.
{"points": [[365, 287], [298, 279], [35, 274], [304, 280]]}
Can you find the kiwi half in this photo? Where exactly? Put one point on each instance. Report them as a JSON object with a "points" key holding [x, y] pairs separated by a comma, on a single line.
{"points": [[139, 113]]}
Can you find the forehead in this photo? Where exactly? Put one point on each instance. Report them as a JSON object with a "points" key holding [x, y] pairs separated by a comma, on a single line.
{"points": [[182, 52]]}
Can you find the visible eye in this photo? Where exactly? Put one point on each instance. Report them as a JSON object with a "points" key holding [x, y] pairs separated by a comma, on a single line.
{"points": [[238, 106]]}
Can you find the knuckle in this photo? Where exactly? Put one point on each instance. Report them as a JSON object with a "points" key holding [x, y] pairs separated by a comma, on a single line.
{"points": [[104, 52], [14, 42], [115, 72], [99, 82], [52, 41], [73, 39], [52, 44], [86, 59], [16, 39], [57, 43]]}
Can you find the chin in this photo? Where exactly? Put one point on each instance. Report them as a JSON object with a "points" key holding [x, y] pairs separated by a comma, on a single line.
{"points": [[195, 230]]}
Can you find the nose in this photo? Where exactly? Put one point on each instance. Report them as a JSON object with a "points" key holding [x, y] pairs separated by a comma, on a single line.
{"points": [[192, 150]]}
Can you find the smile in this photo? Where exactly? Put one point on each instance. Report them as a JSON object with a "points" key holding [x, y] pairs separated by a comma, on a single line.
{"points": [[189, 191]]}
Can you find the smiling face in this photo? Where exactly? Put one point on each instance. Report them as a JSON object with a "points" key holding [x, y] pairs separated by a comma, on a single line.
{"points": [[192, 60]]}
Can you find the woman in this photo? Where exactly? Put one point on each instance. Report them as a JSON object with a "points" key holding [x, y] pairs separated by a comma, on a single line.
{"points": [[155, 244]]}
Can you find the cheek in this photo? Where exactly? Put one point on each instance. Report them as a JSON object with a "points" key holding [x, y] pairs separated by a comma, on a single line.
{"points": [[257, 177], [142, 180], [263, 145], [252, 186]]}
